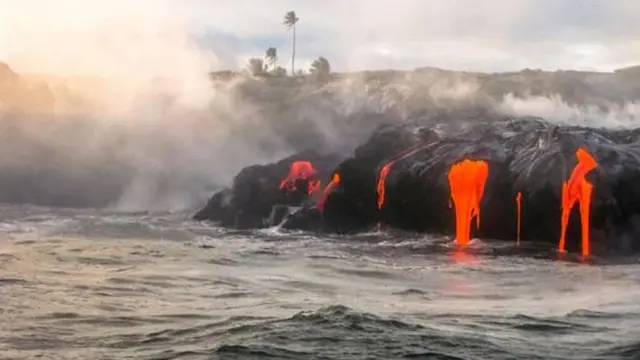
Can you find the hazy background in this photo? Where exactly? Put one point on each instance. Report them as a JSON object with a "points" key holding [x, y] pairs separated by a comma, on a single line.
{"points": [[109, 103], [491, 35]]}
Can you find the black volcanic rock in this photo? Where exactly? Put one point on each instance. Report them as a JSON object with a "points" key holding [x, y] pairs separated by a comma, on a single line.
{"points": [[525, 155], [249, 202]]}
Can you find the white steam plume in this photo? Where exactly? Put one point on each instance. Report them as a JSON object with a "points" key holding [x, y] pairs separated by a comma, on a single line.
{"points": [[148, 110], [559, 111], [137, 123]]}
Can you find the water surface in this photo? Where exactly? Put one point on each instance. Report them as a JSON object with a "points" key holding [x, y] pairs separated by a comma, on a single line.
{"points": [[101, 285]]}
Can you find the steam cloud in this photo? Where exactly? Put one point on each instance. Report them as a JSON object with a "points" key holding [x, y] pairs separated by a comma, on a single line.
{"points": [[135, 122], [555, 109], [142, 110]]}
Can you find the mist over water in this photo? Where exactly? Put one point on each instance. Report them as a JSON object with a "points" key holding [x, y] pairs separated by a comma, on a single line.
{"points": [[116, 108], [129, 92], [129, 96]]}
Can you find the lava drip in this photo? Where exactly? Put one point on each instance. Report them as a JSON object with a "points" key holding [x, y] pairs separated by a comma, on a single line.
{"points": [[382, 178], [301, 170], [519, 210], [335, 182], [386, 168], [578, 189], [466, 181]]}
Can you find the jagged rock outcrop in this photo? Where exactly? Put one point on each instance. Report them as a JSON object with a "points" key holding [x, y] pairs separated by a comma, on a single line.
{"points": [[256, 190], [524, 155]]}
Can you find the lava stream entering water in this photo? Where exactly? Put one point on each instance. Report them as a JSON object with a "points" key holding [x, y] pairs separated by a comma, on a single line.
{"points": [[301, 170], [382, 178], [335, 182], [580, 190], [386, 168], [466, 181]]}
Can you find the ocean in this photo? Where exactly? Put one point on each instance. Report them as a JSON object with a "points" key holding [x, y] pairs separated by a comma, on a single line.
{"points": [[89, 284]]}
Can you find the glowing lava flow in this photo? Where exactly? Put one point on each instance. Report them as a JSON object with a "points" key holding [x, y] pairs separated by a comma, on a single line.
{"points": [[578, 189], [335, 182], [382, 178], [384, 172], [301, 170], [466, 181], [519, 208]]}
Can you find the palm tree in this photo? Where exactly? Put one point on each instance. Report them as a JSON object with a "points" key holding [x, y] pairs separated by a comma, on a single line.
{"points": [[290, 20], [272, 57], [321, 68]]}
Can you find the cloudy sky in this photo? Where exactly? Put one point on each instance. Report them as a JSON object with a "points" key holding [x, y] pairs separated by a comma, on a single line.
{"points": [[488, 35], [474, 35]]}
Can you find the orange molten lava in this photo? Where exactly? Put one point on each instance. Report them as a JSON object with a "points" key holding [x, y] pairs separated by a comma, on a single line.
{"points": [[335, 182], [381, 183], [578, 189], [519, 207], [301, 170], [384, 172], [466, 181]]}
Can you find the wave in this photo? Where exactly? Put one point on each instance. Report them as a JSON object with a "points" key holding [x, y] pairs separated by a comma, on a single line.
{"points": [[340, 332], [333, 332], [176, 299]]}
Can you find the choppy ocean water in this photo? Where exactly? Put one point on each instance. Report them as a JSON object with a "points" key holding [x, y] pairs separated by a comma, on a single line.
{"points": [[106, 285]]}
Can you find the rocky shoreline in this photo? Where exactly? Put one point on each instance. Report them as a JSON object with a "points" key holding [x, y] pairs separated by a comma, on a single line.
{"points": [[526, 156]]}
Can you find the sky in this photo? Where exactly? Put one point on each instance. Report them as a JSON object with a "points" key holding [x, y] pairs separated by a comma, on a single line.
{"points": [[471, 35]]}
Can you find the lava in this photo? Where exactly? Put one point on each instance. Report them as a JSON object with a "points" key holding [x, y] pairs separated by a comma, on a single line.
{"points": [[519, 209], [381, 183], [466, 181], [335, 182], [577, 188], [386, 168], [301, 170]]}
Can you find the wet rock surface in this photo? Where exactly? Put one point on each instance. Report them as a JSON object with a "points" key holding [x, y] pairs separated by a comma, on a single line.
{"points": [[524, 155]]}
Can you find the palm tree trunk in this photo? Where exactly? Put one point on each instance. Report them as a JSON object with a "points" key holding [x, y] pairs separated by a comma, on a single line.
{"points": [[293, 54]]}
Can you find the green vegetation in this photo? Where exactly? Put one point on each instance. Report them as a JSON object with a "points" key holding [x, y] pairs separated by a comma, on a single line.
{"points": [[320, 69]]}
